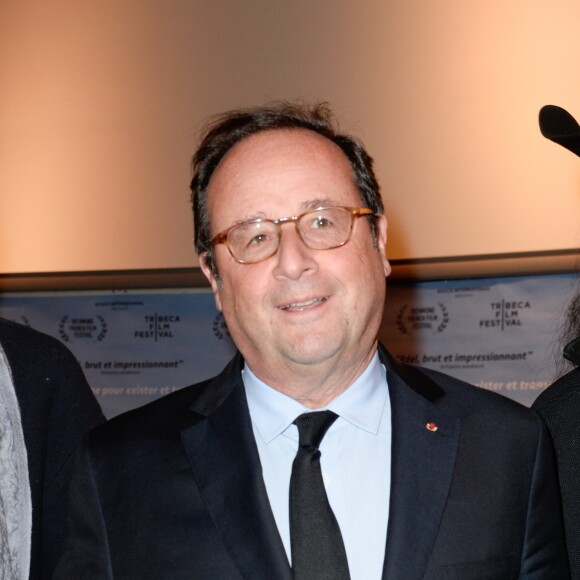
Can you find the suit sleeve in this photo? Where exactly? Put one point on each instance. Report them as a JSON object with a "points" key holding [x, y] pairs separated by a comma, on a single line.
{"points": [[86, 549], [73, 411], [544, 555]]}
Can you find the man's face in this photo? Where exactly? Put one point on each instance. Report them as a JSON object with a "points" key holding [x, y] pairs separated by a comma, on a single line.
{"points": [[301, 307]]}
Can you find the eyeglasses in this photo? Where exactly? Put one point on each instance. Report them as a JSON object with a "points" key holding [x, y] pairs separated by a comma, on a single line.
{"points": [[323, 228]]}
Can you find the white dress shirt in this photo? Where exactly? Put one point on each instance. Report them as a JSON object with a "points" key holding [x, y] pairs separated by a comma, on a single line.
{"points": [[355, 461]]}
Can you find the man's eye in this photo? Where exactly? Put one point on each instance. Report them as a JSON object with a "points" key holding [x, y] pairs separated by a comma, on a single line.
{"points": [[321, 223], [258, 240]]}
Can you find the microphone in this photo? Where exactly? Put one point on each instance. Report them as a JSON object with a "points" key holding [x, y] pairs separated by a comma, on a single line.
{"points": [[560, 127]]}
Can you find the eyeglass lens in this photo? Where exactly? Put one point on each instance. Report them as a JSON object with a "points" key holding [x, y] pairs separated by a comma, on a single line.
{"points": [[320, 229]]}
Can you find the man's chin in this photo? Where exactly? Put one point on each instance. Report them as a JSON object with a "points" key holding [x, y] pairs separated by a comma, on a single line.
{"points": [[312, 352]]}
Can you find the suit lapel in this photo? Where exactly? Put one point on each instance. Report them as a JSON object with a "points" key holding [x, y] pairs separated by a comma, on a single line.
{"points": [[421, 471], [225, 463]]}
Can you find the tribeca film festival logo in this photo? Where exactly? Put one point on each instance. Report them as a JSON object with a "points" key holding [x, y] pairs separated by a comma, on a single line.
{"points": [[505, 313], [158, 326], [421, 318], [92, 328]]}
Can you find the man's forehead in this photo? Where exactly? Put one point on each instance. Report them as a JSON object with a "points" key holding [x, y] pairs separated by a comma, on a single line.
{"points": [[279, 173], [279, 140], [277, 153]]}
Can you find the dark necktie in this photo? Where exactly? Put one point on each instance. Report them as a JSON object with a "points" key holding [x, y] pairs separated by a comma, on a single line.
{"points": [[317, 548]]}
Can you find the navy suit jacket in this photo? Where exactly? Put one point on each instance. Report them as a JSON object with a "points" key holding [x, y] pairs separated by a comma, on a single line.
{"points": [[174, 489]]}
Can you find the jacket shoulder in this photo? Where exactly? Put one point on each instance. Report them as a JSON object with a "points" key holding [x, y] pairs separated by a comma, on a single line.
{"points": [[170, 414], [469, 399], [558, 395]]}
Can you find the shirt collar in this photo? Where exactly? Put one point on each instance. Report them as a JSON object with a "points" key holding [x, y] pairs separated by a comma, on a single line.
{"points": [[362, 404]]}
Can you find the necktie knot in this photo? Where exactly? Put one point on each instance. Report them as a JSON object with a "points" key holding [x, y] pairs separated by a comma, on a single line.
{"points": [[312, 428]]}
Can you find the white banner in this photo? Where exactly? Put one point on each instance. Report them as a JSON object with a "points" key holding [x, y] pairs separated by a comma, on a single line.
{"points": [[136, 346], [499, 334]]}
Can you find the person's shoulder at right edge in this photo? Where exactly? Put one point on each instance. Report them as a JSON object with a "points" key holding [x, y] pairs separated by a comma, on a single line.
{"points": [[559, 407]]}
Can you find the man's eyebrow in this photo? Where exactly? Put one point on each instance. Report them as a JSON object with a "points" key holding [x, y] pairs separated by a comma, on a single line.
{"points": [[305, 206], [259, 215], [318, 202]]}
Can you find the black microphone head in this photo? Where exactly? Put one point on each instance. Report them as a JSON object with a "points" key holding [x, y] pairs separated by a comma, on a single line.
{"points": [[559, 126]]}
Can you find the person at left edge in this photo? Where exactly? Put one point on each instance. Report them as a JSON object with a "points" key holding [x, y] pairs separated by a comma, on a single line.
{"points": [[46, 405]]}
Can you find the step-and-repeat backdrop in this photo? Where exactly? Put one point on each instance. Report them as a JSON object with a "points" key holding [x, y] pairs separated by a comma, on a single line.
{"points": [[135, 346]]}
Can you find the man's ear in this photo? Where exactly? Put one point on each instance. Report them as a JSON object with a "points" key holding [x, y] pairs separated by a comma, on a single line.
{"points": [[213, 280], [382, 242]]}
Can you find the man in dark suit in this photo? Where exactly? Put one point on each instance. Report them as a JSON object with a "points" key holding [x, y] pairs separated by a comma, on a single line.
{"points": [[53, 406], [413, 474]]}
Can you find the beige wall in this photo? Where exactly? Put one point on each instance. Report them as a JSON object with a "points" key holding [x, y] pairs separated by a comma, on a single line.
{"points": [[100, 103]]}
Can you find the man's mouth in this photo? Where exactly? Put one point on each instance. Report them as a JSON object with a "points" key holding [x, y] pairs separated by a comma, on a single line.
{"points": [[300, 306]]}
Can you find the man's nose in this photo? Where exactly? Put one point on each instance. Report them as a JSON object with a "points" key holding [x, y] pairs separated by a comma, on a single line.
{"points": [[293, 257]]}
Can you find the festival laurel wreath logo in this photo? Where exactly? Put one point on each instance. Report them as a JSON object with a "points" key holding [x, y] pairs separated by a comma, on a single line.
{"points": [[220, 328], [92, 328], [421, 318]]}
